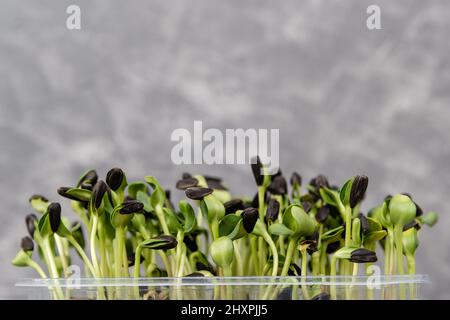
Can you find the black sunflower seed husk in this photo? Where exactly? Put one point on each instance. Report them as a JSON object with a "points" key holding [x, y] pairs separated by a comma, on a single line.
{"points": [[312, 245], [278, 186], [198, 193], [363, 255], [212, 178], [54, 215], [273, 208], [132, 258], [186, 175], [62, 191], [214, 184], [334, 212], [296, 179], [294, 270], [285, 294], [322, 214], [86, 186], [98, 192], [186, 183], [169, 201], [195, 275], [200, 266], [90, 178], [255, 201], [30, 221], [322, 296], [114, 178], [37, 196], [333, 247], [249, 218], [407, 194], [132, 206], [190, 242], [256, 169], [364, 222], [358, 189], [307, 206], [169, 242], [319, 182], [419, 210], [412, 224], [233, 205], [27, 244], [128, 198], [313, 237]]}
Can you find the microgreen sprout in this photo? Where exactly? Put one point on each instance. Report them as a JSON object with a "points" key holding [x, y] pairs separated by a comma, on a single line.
{"points": [[134, 230]]}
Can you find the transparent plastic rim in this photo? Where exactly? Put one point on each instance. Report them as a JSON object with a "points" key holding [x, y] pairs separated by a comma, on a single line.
{"points": [[233, 281]]}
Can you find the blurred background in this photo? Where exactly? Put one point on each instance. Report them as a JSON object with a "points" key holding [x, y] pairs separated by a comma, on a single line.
{"points": [[346, 99]]}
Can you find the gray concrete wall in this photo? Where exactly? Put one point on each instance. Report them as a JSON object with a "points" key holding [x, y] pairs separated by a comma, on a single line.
{"points": [[346, 100]]}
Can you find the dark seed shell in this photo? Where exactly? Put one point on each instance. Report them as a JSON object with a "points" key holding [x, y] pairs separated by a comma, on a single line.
{"points": [[62, 191], [90, 178], [358, 189], [195, 275], [30, 221], [233, 205], [212, 178], [114, 178], [362, 255], [419, 210], [294, 270], [27, 244], [249, 218], [98, 192], [322, 296], [214, 184], [322, 214], [256, 169], [169, 242], [285, 294], [272, 211], [132, 206], [333, 247], [186, 183], [255, 201], [320, 182], [364, 223], [38, 197], [307, 206], [190, 242], [198, 193], [412, 224], [296, 179], [278, 186], [54, 215], [186, 175]]}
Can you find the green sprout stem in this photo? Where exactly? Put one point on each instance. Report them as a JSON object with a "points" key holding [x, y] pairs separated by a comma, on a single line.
{"points": [[162, 220], [303, 273], [38, 268], [273, 248], [288, 258], [82, 254], [93, 237], [62, 255], [50, 258]]}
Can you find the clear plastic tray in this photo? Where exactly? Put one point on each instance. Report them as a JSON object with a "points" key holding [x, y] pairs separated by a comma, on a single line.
{"points": [[225, 288]]}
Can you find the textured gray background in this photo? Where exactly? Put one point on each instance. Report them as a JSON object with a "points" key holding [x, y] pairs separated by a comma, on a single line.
{"points": [[346, 100]]}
